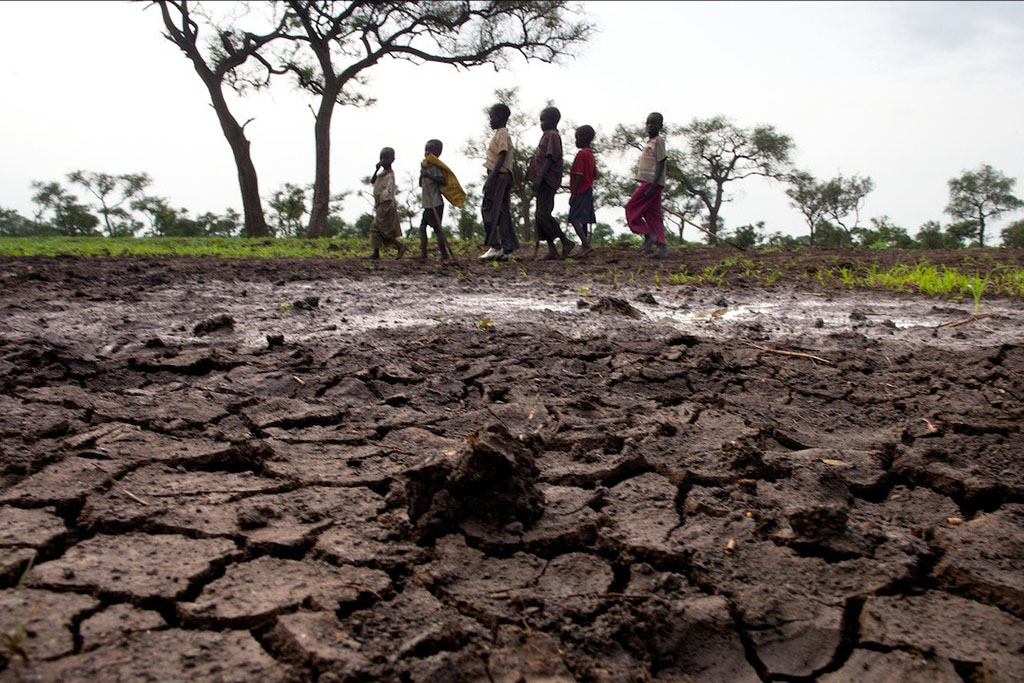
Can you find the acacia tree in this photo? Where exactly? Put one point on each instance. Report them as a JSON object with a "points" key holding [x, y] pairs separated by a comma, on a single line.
{"points": [[113, 192], [289, 206], [218, 64], [68, 215], [334, 43], [980, 194], [719, 152], [843, 196], [804, 193]]}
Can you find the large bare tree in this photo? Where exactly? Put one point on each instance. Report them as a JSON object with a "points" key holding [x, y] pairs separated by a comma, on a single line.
{"points": [[218, 63], [333, 44]]}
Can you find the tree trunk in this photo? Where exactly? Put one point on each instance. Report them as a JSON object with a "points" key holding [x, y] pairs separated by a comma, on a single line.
{"points": [[713, 215], [322, 180], [252, 205], [981, 228]]}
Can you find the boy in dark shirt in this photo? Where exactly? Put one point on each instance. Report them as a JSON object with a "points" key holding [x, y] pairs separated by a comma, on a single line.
{"points": [[581, 188], [545, 175]]}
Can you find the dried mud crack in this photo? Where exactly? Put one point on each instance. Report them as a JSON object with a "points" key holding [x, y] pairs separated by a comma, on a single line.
{"points": [[610, 480]]}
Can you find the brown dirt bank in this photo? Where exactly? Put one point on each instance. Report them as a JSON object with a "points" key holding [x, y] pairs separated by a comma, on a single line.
{"points": [[329, 470]]}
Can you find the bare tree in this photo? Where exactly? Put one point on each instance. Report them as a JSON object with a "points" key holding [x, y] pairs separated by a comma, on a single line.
{"points": [[218, 64], [345, 39], [980, 194]]}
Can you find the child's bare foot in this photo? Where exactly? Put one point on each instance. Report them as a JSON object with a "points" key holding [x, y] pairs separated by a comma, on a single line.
{"points": [[401, 250]]}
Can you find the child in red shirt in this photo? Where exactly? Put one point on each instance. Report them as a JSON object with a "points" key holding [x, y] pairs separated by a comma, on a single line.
{"points": [[581, 187]]}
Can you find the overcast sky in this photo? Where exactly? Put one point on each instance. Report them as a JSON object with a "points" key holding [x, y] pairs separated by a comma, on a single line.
{"points": [[910, 94]]}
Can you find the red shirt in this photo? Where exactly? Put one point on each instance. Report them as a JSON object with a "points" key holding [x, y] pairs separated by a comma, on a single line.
{"points": [[585, 167]]}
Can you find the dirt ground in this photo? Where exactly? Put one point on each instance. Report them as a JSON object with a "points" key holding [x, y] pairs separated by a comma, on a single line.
{"points": [[333, 470]]}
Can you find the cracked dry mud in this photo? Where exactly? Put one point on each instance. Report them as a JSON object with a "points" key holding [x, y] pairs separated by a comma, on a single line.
{"points": [[610, 480]]}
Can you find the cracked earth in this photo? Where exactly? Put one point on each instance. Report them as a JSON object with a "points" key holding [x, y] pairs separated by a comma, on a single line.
{"points": [[332, 471]]}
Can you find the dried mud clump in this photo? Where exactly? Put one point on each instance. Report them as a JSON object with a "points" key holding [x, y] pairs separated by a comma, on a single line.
{"points": [[493, 479]]}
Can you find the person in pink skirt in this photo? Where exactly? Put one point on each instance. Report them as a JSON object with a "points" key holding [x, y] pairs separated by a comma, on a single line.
{"points": [[643, 210]]}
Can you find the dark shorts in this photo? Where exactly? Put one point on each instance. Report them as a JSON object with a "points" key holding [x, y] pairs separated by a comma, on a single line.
{"points": [[581, 208], [433, 217]]}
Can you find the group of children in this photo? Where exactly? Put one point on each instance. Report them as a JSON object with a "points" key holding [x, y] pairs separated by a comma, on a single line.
{"points": [[544, 173]]}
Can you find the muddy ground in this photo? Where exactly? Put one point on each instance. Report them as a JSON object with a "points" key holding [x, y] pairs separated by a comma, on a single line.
{"points": [[333, 470]]}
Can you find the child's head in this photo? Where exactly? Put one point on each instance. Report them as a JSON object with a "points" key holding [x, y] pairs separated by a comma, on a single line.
{"points": [[654, 123], [387, 157], [549, 118], [584, 136], [433, 147], [499, 114]]}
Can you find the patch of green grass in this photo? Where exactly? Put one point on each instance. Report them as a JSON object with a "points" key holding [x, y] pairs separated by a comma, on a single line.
{"points": [[217, 247], [931, 280]]}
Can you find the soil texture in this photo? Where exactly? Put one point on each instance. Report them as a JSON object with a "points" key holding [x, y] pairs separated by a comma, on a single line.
{"points": [[337, 470]]}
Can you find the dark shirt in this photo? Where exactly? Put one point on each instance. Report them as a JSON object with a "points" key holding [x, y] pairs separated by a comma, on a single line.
{"points": [[550, 146]]}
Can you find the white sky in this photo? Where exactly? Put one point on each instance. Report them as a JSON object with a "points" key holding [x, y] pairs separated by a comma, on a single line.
{"points": [[910, 94]]}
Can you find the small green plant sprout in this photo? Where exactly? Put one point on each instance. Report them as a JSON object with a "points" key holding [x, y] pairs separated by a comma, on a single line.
{"points": [[977, 286], [657, 279], [495, 264], [286, 305], [485, 324], [584, 291], [847, 276], [523, 274]]}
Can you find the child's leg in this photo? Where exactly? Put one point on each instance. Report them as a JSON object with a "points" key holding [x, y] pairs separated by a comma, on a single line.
{"points": [[655, 218], [423, 235], [636, 215], [581, 232], [435, 219]]}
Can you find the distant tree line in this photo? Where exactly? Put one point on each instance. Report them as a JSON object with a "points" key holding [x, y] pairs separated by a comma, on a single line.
{"points": [[328, 47], [114, 205]]}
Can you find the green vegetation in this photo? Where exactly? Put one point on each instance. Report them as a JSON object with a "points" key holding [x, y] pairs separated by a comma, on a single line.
{"points": [[923, 278], [219, 247]]}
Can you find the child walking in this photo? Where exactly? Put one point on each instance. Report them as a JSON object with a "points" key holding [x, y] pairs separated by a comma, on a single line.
{"points": [[545, 175], [643, 210], [385, 228], [436, 178], [581, 188], [496, 208]]}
